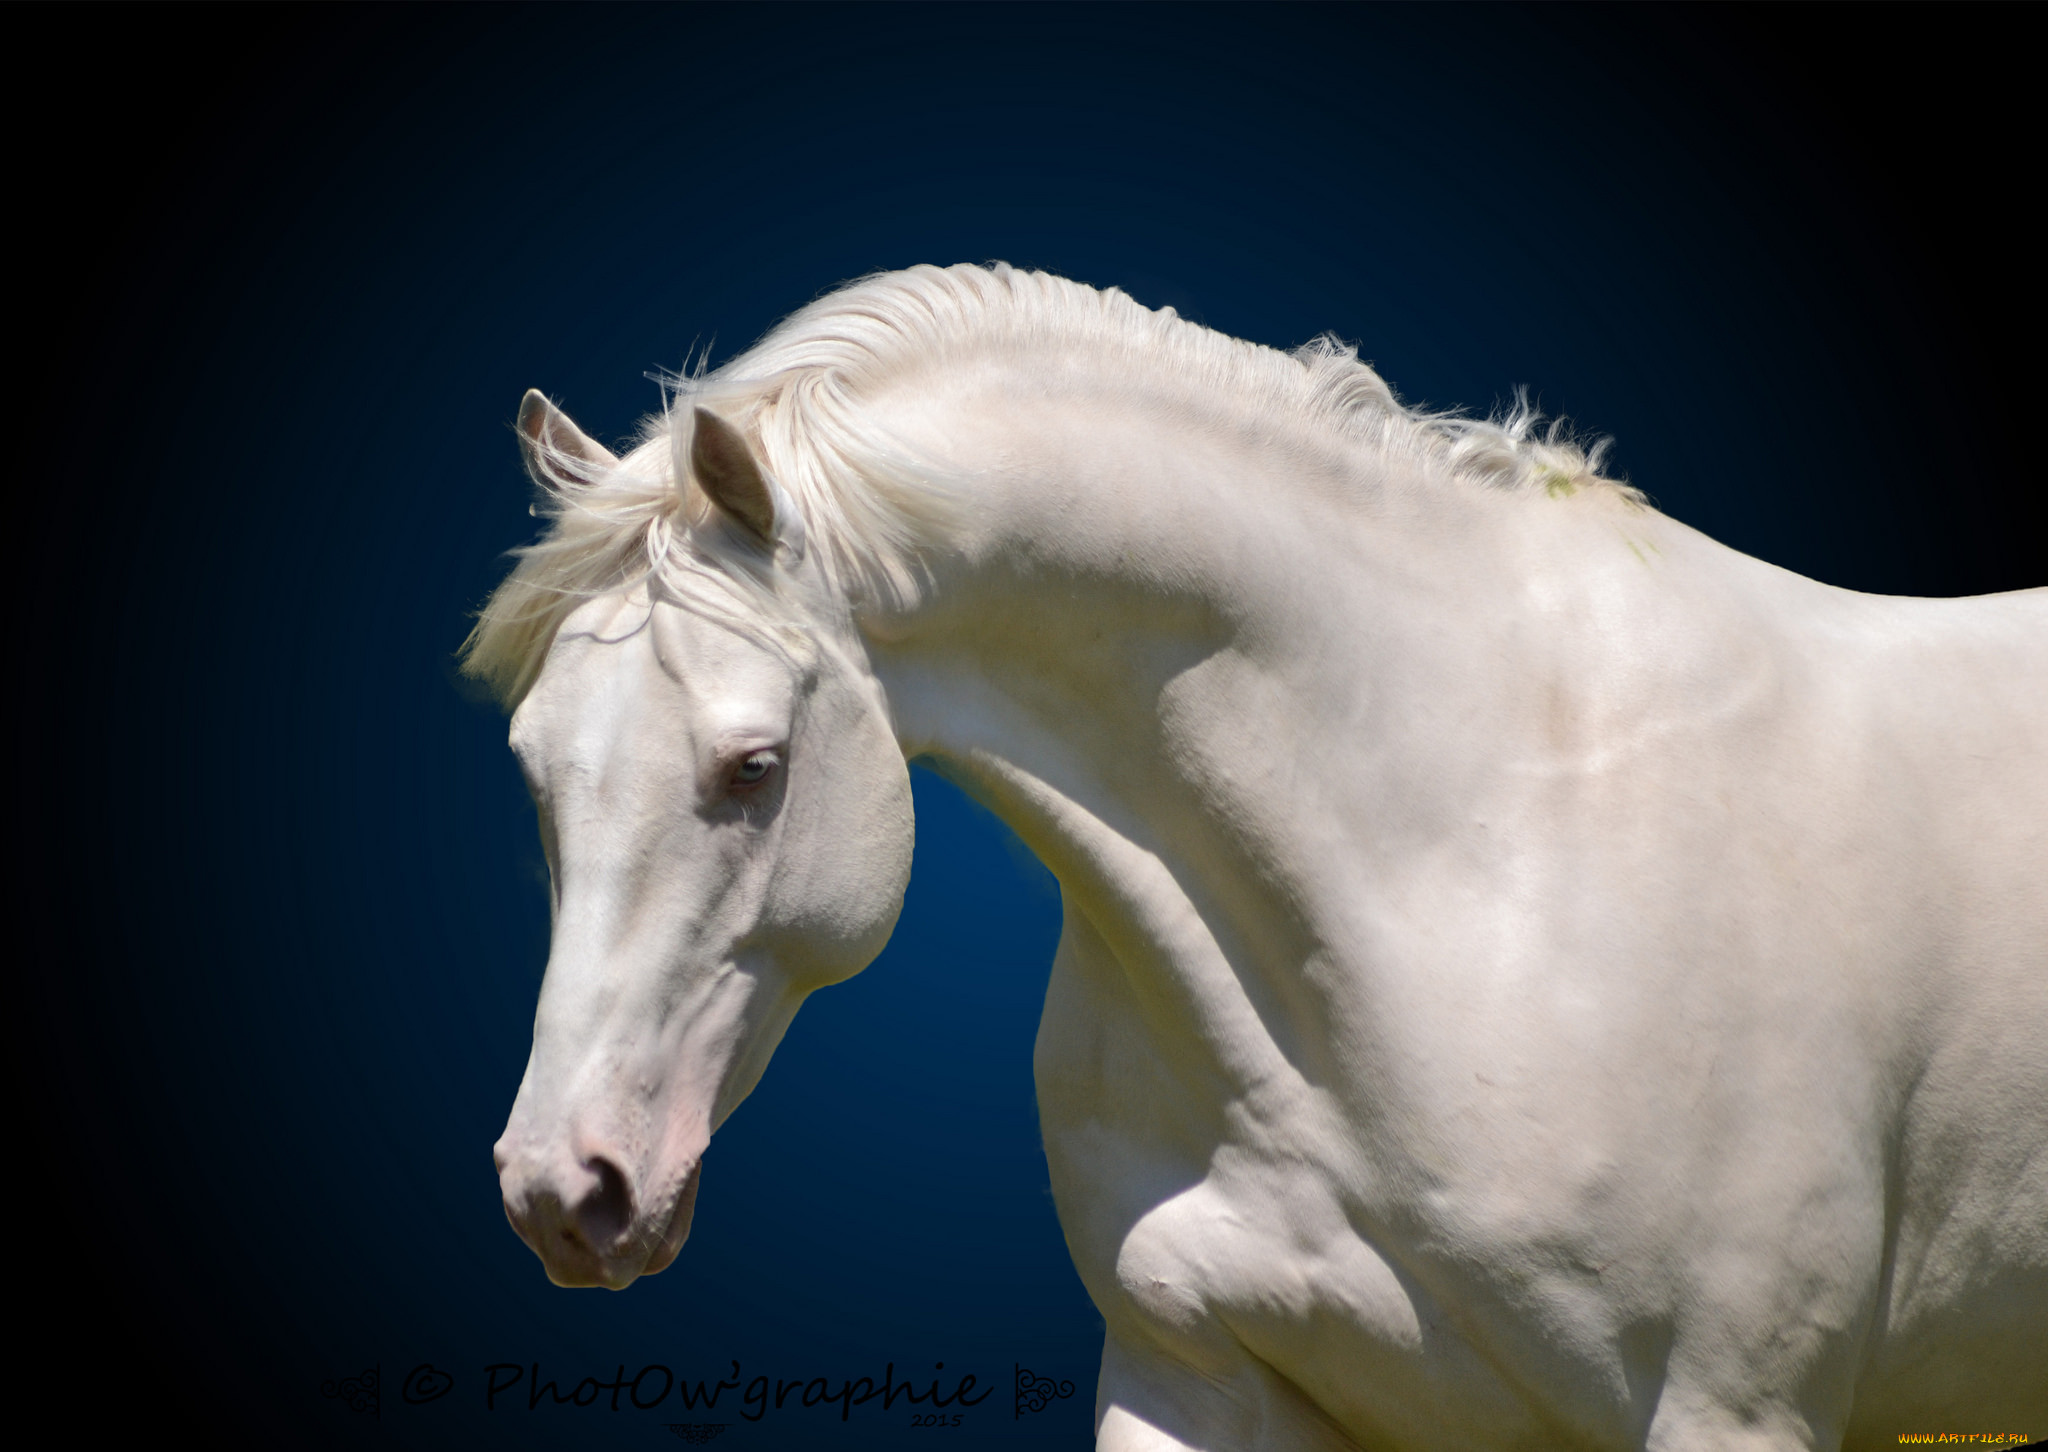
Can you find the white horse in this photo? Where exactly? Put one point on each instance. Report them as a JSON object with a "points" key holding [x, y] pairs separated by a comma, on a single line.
{"points": [[1531, 976]]}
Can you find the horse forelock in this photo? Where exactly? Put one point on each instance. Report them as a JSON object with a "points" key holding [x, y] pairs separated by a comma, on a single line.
{"points": [[868, 509], [634, 524]]}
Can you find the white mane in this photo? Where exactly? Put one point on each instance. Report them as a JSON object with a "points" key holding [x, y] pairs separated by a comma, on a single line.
{"points": [[866, 511]]}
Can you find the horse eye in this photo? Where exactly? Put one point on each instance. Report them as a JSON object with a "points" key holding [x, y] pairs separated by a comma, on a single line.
{"points": [[754, 768]]}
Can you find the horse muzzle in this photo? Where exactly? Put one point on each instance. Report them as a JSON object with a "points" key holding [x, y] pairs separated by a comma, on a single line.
{"points": [[589, 1222]]}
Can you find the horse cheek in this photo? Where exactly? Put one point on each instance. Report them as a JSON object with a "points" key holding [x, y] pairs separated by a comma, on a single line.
{"points": [[843, 868]]}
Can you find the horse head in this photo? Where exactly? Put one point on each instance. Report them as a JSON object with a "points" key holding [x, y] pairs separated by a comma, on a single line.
{"points": [[727, 822]]}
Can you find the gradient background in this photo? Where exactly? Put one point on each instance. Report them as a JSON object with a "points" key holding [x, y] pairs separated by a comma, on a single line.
{"points": [[288, 275]]}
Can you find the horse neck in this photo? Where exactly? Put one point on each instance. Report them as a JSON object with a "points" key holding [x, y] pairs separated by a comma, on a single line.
{"points": [[1185, 665], [1117, 562]]}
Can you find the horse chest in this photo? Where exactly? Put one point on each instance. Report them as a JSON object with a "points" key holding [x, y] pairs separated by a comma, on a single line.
{"points": [[1242, 1254], [1252, 1269]]}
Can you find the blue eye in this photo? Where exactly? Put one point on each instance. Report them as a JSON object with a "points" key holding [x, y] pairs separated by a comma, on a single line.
{"points": [[754, 768]]}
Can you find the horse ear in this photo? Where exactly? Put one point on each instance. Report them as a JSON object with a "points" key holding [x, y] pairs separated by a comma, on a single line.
{"points": [[724, 468], [541, 424]]}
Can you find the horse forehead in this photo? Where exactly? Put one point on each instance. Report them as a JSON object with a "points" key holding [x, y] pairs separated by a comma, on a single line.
{"points": [[711, 659], [668, 663]]}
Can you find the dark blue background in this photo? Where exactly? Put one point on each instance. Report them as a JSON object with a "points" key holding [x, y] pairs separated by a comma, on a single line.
{"points": [[281, 917]]}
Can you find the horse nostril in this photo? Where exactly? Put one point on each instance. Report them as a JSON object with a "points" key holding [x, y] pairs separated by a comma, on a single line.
{"points": [[606, 1208]]}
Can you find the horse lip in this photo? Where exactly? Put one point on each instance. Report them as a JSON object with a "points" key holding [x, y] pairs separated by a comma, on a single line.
{"points": [[678, 1229], [582, 1268]]}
